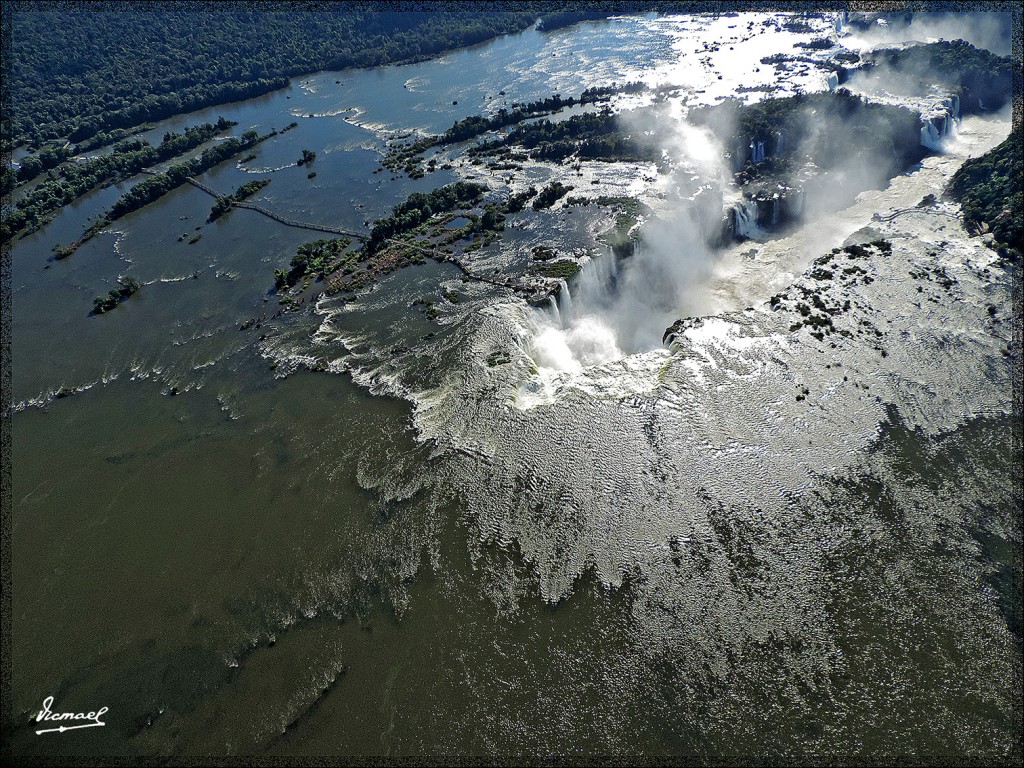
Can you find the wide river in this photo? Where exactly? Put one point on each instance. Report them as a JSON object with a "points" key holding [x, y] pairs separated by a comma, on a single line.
{"points": [[342, 531]]}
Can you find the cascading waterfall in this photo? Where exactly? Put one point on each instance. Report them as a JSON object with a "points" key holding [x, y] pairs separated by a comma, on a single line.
{"points": [[575, 331], [744, 217], [606, 316], [564, 302], [556, 316], [756, 151], [954, 107], [941, 123], [739, 156], [597, 280], [930, 135]]}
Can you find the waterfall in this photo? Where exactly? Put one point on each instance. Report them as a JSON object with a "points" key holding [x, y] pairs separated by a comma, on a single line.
{"points": [[739, 157], [930, 135], [940, 123], [744, 218], [756, 151], [564, 302], [775, 210], [833, 81], [553, 311], [780, 142], [595, 284], [952, 105]]}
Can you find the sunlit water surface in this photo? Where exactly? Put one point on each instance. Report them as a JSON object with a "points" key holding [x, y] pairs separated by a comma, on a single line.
{"points": [[752, 542]]}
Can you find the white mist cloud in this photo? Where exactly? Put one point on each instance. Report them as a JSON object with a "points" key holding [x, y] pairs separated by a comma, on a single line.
{"points": [[982, 29], [615, 311]]}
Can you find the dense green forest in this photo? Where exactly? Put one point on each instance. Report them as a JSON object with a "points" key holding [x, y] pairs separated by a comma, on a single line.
{"points": [[76, 74], [990, 189], [316, 258], [826, 128], [592, 136]]}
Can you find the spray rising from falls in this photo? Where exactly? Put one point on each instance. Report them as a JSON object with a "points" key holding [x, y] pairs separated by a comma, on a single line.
{"points": [[616, 308], [574, 333]]}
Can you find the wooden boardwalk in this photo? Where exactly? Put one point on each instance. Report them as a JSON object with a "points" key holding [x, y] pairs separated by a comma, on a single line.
{"points": [[276, 217], [431, 252]]}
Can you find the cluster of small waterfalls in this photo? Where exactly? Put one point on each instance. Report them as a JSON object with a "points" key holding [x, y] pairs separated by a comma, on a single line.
{"points": [[763, 211], [941, 123], [614, 310], [757, 150], [575, 332]]}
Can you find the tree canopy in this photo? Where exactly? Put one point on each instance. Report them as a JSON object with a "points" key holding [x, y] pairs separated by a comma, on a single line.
{"points": [[990, 189], [74, 74]]}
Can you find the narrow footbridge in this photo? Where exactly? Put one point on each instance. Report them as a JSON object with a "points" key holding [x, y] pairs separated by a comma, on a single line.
{"points": [[277, 217]]}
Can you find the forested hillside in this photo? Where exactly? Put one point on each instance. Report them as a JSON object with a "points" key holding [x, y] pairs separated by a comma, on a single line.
{"points": [[990, 189], [75, 75]]}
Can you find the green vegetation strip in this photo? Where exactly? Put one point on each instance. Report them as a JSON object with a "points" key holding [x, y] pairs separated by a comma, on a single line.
{"points": [[126, 287], [128, 159], [317, 258], [990, 189], [409, 156], [155, 187], [983, 80]]}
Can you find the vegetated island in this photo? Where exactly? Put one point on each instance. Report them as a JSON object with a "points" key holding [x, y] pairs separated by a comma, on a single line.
{"points": [[982, 80], [225, 203], [158, 185], [428, 226], [408, 156], [776, 157], [126, 288], [73, 180]]}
